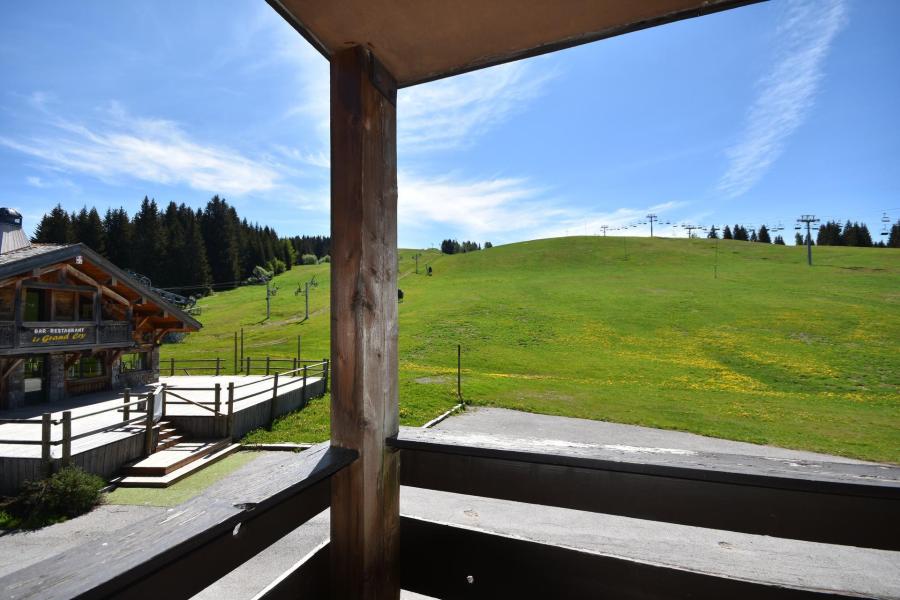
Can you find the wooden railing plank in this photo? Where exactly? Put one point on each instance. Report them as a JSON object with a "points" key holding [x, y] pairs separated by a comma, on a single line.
{"points": [[851, 504], [448, 562], [183, 552]]}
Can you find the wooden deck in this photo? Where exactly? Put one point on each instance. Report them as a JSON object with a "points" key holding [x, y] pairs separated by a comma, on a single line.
{"points": [[105, 453]]}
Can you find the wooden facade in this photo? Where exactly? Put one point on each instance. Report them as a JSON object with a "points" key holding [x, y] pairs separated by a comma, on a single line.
{"points": [[73, 323]]}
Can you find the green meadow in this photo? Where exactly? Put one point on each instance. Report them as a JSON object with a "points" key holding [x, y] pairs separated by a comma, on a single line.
{"points": [[729, 339]]}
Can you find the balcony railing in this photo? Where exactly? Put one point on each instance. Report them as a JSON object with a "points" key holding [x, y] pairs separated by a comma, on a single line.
{"points": [[855, 505]]}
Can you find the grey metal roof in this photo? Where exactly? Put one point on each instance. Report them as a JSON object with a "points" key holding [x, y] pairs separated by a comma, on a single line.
{"points": [[29, 252]]}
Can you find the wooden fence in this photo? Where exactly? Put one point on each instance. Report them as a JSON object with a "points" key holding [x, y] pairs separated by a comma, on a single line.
{"points": [[248, 365], [139, 410]]}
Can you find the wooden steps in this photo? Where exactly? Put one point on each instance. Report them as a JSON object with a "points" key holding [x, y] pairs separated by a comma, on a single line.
{"points": [[165, 467]]}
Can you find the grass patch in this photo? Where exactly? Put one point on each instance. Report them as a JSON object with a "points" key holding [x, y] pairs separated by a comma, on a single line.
{"points": [[183, 490], [633, 331]]}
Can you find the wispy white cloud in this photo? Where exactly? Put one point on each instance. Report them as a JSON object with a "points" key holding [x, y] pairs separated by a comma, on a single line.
{"points": [[503, 209], [446, 114], [786, 93], [155, 150], [476, 207], [452, 113]]}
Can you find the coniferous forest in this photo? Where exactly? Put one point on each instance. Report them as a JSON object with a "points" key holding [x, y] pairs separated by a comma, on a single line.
{"points": [[178, 248]]}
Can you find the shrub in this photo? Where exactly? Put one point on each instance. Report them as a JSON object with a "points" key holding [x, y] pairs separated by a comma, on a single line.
{"points": [[309, 259], [278, 266], [66, 494], [325, 259]]}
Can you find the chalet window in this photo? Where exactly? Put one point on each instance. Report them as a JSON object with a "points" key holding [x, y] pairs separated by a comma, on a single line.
{"points": [[87, 367], [64, 306], [86, 307], [36, 306], [136, 361], [7, 303]]}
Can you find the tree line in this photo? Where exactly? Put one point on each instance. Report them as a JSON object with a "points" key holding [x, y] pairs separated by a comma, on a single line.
{"points": [[830, 234], [454, 247], [179, 247]]}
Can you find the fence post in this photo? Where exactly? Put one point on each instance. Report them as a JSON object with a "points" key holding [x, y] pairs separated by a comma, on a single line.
{"points": [[217, 420], [326, 368], [459, 372], [294, 374], [126, 410], [172, 367], [235, 354], [46, 431], [268, 362], [148, 426], [303, 390], [67, 439], [218, 365], [230, 422], [248, 366], [272, 407]]}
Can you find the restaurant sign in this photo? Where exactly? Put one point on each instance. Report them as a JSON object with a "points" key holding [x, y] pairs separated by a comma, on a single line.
{"points": [[57, 336]]}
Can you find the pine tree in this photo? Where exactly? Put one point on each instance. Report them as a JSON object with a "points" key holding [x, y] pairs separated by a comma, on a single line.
{"points": [[865, 238], [753, 237], [779, 240], [726, 233], [830, 234], [148, 246], [740, 233], [764, 235], [194, 253], [220, 234], [713, 233], [89, 230], [798, 239], [894, 236], [119, 238], [55, 228]]}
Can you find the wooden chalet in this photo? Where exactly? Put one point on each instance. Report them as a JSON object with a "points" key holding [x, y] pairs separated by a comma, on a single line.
{"points": [[375, 47], [71, 322]]}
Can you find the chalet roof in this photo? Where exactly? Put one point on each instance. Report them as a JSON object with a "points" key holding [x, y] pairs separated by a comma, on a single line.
{"points": [[430, 39], [32, 251], [40, 255]]}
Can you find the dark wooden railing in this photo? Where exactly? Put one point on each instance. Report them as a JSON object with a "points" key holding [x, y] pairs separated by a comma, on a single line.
{"points": [[177, 556]]}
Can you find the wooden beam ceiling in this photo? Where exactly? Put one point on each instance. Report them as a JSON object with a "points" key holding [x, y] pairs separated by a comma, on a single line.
{"points": [[423, 40]]}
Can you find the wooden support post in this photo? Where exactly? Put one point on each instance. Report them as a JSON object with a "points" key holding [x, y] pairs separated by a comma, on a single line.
{"points": [[148, 426], [46, 433], [218, 407], [218, 366], [268, 363], [294, 374], [67, 439], [235, 364], [229, 424], [162, 398], [248, 366], [365, 496], [272, 406], [126, 410], [172, 367]]}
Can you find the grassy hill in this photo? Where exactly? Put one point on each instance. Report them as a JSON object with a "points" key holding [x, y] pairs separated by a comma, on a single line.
{"points": [[632, 330]]}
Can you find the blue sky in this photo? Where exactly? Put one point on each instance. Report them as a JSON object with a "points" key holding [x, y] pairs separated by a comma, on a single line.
{"points": [[755, 115]]}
